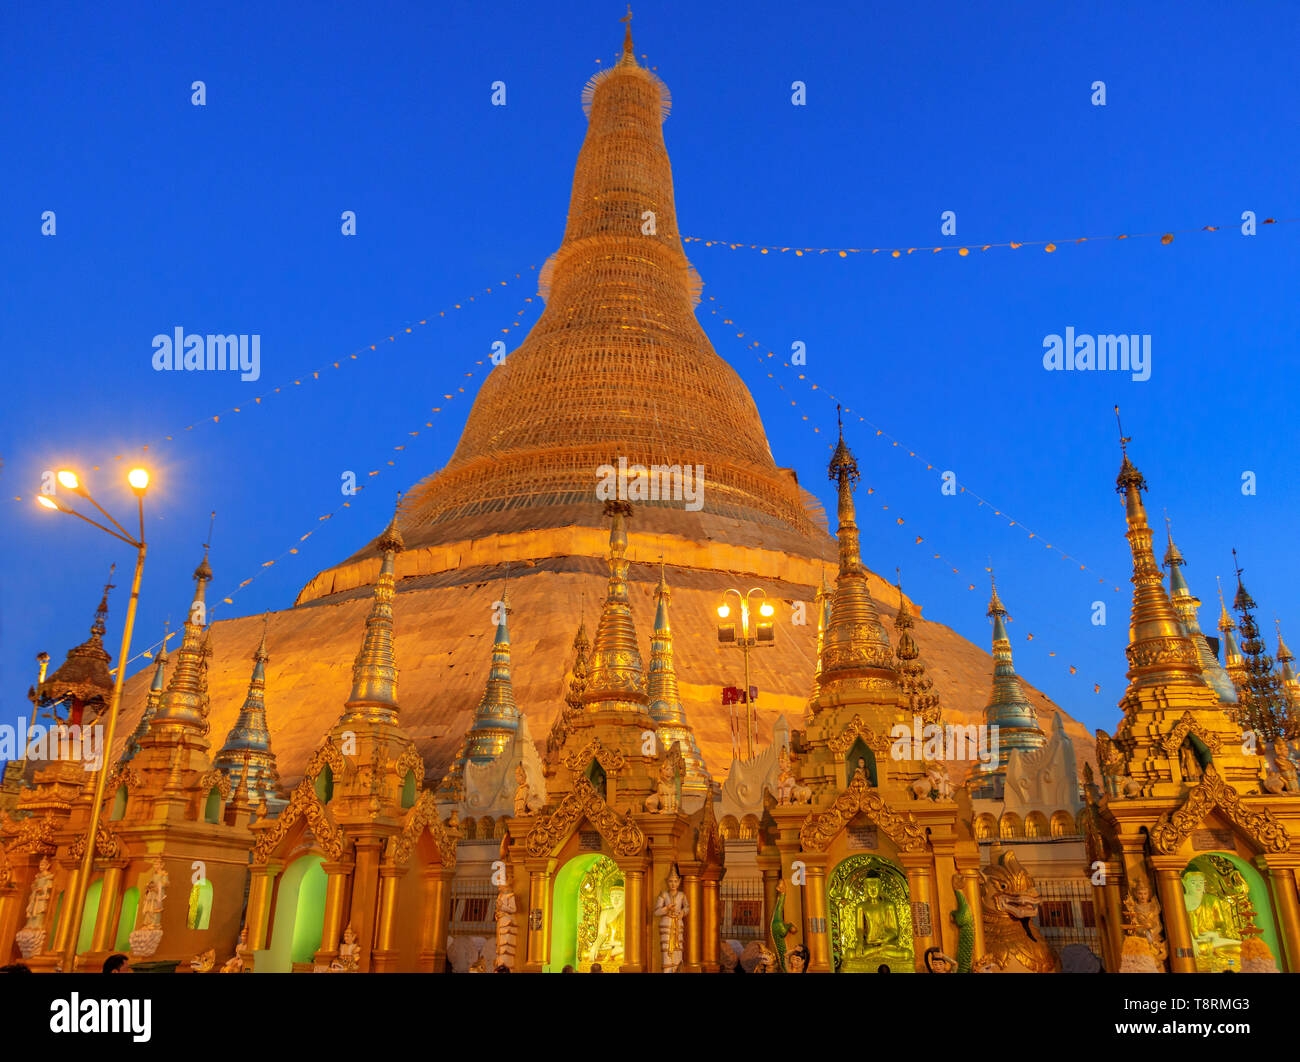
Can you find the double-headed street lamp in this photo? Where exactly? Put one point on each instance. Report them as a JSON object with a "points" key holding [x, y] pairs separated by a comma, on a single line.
{"points": [[762, 634], [138, 479]]}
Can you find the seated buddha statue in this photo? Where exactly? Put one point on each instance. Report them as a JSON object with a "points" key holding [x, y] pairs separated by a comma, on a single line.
{"points": [[608, 943], [876, 932], [1214, 930]]}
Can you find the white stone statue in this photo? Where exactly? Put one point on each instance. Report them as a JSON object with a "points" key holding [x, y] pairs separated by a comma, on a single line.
{"points": [[349, 956], [507, 924], [788, 791], [664, 798], [155, 893], [145, 940], [671, 908], [238, 963], [526, 803], [31, 938]]}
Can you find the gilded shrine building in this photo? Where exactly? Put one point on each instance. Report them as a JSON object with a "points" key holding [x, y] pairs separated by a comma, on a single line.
{"points": [[506, 732]]}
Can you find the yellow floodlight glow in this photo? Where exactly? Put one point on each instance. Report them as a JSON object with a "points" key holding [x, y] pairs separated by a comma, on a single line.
{"points": [[138, 478], [47, 502], [68, 479], [724, 611]]}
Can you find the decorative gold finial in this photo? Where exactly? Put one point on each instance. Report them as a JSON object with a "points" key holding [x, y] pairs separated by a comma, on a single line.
{"points": [[1128, 476], [628, 51]]}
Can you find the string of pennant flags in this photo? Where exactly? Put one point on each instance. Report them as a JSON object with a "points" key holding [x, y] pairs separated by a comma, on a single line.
{"points": [[920, 539], [341, 362], [1166, 237], [398, 450]]}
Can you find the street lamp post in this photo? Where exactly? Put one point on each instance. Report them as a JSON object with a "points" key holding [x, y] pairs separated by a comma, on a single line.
{"points": [[761, 635], [138, 479]]}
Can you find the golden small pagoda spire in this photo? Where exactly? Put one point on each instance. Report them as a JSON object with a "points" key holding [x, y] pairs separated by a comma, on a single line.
{"points": [[822, 601], [912, 676], [616, 670], [1285, 659], [1159, 652], [855, 639], [1233, 662], [665, 702], [182, 707], [374, 673], [152, 700]]}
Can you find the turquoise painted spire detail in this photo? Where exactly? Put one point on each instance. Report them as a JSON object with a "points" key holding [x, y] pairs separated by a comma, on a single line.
{"points": [[496, 719], [246, 756], [1008, 708], [1186, 605]]}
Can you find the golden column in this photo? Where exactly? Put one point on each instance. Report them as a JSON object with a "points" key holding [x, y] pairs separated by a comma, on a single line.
{"points": [[1182, 953], [1113, 938], [920, 888], [110, 901], [1283, 884], [816, 925], [385, 955], [258, 918], [65, 917], [335, 894], [692, 960], [634, 924], [710, 928], [365, 889], [536, 915], [439, 913], [970, 888]]}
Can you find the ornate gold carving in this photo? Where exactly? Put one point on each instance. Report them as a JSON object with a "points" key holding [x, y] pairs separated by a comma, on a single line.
{"points": [[1154, 652], [412, 761], [123, 775], [424, 816], [622, 834], [35, 836], [856, 728], [328, 753], [1188, 725], [819, 829], [6, 871], [707, 831], [107, 846], [303, 804], [215, 778], [1260, 826], [609, 759]]}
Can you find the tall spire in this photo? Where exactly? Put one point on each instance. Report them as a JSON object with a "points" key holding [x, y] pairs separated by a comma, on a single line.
{"points": [[1008, 708], [616, 670], [248, 745], [917, 685], [855, 639], [1186, 606], [156, 690], [1159, 652], [665, 702], [374, 673], [496, 719], [182, 708], [629, 53], [1261, 701], [1233, 662]]}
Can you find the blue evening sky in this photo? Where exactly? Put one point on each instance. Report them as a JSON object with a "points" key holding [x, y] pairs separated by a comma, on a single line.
{"points": [[225, 218]]}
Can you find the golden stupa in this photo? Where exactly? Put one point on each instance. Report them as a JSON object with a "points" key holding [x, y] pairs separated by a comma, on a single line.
{"points": [[617, 368]]}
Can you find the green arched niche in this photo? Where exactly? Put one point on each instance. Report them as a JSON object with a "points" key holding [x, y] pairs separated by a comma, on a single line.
{"points": [[1229, 881], [299, 916], [126, 920], [581, 887]]}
